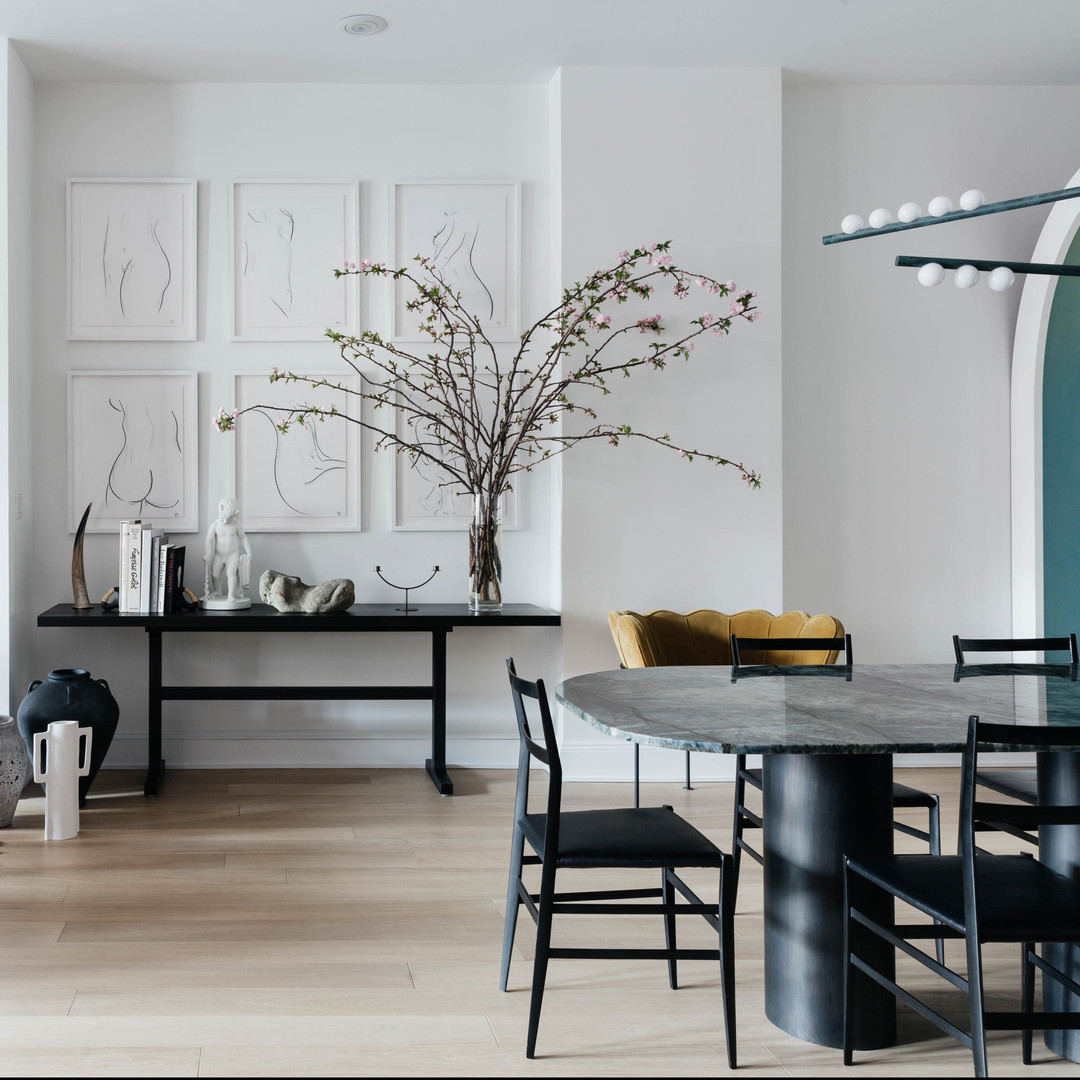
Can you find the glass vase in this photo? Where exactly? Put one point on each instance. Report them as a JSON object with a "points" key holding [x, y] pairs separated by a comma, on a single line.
{"points": [[485, 553]]}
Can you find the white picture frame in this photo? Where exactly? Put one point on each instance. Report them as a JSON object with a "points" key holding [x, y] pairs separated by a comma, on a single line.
{"points": [[308, 479], [471, 230], [131, 259], [133, 449], [419, 502], [288, 237]]}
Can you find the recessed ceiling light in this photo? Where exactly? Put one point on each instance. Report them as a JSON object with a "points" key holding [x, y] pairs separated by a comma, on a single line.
{"points": [[363, 25]]}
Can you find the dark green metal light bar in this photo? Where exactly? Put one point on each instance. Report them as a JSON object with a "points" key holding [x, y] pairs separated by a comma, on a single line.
{"points": [[1054, 269], [957, 215]]}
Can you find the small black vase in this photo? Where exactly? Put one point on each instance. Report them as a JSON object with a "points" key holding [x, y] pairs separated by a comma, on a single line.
{"points": [[71, 694]]}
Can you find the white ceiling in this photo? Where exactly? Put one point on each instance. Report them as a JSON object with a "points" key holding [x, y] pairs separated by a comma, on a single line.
{"points": [[523, 41]]}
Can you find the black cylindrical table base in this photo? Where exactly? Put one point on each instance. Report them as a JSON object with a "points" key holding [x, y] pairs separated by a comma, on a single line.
{"points": [[817, 808]]}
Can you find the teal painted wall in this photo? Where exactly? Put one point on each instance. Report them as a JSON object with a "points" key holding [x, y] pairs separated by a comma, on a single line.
{"points": [[1061, 458]]}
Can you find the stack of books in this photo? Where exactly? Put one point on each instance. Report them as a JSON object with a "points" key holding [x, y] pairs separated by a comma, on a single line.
{"points": [[151, 569]]}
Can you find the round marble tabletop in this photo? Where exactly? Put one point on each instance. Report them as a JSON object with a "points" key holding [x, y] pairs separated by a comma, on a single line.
{"points": [[869, 709]]}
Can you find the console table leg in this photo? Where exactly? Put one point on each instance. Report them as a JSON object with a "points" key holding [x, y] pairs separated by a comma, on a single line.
{"points": [[155, 763], [436, 764]]}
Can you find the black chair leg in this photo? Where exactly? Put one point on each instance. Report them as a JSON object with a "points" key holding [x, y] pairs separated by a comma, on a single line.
{"points": [[1027, 998], [727, 954], [669, 927], [849, 976], [976, 1005], [513, 904], [687, 786], [540, 963], [637, 775]]}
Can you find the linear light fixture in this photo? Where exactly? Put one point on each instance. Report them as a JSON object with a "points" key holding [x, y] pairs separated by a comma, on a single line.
{"points": [[955, 215]]}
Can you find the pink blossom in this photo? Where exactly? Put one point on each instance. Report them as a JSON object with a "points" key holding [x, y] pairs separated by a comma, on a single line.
{"points": [[682, 453], [275, 371], [664, 260], [366, 264], [736, 308], [753, 316], [701, 282], [714, 288], [707, 319], [689, 346], [622, 255], [730, 286]]}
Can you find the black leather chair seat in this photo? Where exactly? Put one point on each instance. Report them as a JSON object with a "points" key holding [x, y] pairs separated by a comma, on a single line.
{"points": [[633, 837], [1019, 898]]}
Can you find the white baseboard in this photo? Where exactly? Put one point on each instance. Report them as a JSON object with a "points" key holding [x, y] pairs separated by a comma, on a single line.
{"points": [[303, 750]]}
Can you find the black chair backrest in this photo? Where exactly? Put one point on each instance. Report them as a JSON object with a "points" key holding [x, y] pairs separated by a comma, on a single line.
{"points": [[1010, 817], [794, 644], [546, 752], [1045, 644]]}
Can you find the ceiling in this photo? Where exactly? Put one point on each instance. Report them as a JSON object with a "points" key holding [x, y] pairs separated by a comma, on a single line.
{"points": [[524, 41]]}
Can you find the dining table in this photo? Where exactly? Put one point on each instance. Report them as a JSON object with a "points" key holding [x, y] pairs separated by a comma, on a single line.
{"points": [[827, 736]]}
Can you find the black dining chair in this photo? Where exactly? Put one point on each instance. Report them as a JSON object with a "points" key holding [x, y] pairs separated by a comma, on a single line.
{"points": [[747, 651], [1015, 783], [975, 896], [637, 837]]}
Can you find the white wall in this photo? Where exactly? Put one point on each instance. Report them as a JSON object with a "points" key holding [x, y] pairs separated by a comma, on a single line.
{"points": [[691, 156], [16, 182], [216, 133], [896, 397]]}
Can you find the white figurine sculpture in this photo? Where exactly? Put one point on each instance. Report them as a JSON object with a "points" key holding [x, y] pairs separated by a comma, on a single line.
{"points": [[60, 774], [227, 555]]}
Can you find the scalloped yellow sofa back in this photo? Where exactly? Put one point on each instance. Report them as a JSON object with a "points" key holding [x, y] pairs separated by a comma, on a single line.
{"points": [[668, 639]]}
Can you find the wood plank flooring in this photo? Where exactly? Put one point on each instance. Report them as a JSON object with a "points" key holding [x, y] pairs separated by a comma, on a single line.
{"points": [[348, 923]]}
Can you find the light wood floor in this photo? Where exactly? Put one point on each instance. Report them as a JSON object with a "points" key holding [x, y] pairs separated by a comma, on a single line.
{"points": [[347, 923]]}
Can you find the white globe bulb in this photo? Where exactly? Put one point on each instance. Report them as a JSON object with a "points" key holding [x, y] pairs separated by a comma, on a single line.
{"points": [[931, 274], [965, 276], [879, 217], [852, 223], [940, 204], [909, 211], [972, 199], [1001, 278]]}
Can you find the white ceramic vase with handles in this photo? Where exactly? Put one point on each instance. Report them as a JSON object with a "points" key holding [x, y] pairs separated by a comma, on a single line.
{"points": [[66, 758]]}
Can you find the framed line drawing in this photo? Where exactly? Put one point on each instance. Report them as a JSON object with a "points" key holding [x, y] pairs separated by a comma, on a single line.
{"points": [[471, 232], [288, 238], [420, 502], [308, 479], [133, 449], [131, 260]]}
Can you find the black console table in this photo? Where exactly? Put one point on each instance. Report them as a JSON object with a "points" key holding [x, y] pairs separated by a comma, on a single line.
{"points": [[438, 620]]}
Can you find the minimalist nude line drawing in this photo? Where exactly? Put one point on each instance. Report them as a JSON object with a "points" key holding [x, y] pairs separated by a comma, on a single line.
{"points": [[468, 233], [454, 247], [423, 500], [306, 478], [288, 238], [133, 447], [268, 257], [131, 260], [317, 466], [132, 481], [131, 265]]}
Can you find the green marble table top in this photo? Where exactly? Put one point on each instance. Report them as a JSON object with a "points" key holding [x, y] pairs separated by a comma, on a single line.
{"points": [[880, 709]]}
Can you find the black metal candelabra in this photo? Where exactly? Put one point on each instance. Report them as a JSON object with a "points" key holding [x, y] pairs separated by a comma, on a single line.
{"points": [[406, 588]]}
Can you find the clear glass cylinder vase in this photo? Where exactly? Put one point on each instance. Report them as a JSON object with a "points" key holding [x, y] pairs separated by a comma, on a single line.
{"points": [[485, 553]]}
